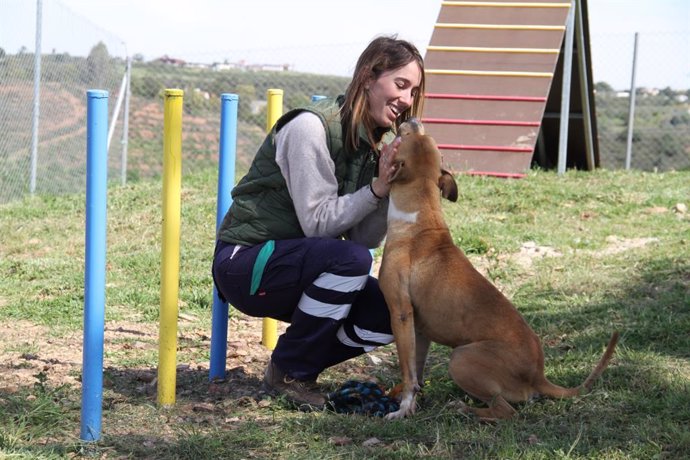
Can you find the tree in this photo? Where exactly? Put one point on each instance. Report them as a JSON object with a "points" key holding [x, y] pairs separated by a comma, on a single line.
{"points": [[246, 94], [97, 66], [602, 87], [668, 92], [680, 119]]}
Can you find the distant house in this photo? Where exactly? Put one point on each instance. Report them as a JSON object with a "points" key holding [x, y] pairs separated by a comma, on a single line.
{"points": [[225, 66], [647, 92], [243, 65], [171, 61], [268, 67], [198, 65]]}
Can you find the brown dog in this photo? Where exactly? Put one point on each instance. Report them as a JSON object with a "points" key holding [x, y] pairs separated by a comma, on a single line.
{"points": [[435, 294]]}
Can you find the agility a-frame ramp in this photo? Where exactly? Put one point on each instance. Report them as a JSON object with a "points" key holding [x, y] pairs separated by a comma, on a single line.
{"points": [[495, 78]]}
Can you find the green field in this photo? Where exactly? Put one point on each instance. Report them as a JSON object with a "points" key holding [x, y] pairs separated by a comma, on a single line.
{"points": [[580, 254]]}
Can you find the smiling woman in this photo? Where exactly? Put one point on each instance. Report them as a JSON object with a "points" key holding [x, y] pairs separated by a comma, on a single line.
{"points": [[389, 77], [295, 243], [393, 92]]}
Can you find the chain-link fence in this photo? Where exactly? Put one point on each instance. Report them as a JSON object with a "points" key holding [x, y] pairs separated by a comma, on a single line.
{"points": [[43, 127], [59, 147], [661, 138], [661, 124]]}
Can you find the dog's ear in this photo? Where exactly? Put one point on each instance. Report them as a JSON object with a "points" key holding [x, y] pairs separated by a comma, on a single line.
{"points": [[449, 189]]}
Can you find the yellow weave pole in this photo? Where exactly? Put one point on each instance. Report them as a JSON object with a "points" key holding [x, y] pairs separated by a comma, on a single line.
{"points": [[269, 332], [170, 259]]}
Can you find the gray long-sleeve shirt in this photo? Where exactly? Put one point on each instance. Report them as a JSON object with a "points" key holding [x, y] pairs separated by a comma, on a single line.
{"points": [[305, 163]]}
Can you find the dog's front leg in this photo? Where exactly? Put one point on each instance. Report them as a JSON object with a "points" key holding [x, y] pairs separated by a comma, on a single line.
{"points": [[402, 323]]}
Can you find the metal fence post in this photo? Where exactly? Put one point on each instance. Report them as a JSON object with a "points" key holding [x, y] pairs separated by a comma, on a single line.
{"points": [[565, 92], [125, 123], [631, 110], [37, 97]]}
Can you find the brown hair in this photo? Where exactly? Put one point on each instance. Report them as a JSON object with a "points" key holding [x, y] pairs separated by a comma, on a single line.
{"points": [[381, 55]]}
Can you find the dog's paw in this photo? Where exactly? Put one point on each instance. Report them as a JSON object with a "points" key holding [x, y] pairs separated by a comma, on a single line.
{"points": [[394, 415], [398, 414], [461, 408], [407, 407], [458, 405]]}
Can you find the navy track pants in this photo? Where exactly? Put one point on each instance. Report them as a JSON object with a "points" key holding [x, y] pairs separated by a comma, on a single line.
{"points": [[322, 287]]}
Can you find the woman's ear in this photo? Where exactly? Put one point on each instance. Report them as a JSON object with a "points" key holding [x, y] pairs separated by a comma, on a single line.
{"points": [[370, 81]]}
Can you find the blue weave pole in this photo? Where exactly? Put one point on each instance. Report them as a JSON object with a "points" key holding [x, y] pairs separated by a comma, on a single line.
{"points": [[226, 181], [94, 264]]}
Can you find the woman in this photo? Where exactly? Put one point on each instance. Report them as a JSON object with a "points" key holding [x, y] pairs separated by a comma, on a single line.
{"points": [[294, 245]]}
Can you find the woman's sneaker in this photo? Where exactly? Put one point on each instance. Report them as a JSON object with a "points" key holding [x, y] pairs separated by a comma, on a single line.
{"points": [[304, 394]]}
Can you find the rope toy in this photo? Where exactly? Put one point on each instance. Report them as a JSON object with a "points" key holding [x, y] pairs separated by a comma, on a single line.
{"points": [[366, 398]]}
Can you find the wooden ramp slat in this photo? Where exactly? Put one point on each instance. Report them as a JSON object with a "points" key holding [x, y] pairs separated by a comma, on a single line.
{"points": [[481, 84], [496, 37], [484, 110], [488, 162], [508, 136]]}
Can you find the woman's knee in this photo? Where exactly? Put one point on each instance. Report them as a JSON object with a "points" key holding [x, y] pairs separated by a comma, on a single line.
{"points": [[339, 257], [369, 311], [357, 257]]}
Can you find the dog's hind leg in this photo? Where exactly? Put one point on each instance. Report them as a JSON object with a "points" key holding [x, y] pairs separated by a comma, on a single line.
{"points": [[499, 409], [477, 369]]}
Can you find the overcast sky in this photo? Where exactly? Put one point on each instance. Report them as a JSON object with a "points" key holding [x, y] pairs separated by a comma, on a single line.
{"points": [[328, 34]]}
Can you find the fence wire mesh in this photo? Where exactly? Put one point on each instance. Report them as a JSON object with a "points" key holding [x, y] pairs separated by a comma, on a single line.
{"points": [[661, 138], [60, 160], [661, 124]]}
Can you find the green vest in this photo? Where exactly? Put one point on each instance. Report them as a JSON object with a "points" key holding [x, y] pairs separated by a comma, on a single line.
{"points": [[262, 209]]}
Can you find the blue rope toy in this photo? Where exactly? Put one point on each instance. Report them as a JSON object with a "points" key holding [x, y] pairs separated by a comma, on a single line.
{"points": [[365, 398]]}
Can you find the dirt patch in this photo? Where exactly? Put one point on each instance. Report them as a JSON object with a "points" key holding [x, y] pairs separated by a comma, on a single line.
{"points": [[30, 354], [616, 244], [28, 350], [531, 251]]}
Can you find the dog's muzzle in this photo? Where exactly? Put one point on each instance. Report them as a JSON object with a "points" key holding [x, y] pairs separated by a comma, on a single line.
{"points": [[411, 126]]}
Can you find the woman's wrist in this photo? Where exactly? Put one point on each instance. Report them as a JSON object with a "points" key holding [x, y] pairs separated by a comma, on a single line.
{"points": [[376, 191], [373, 192]]}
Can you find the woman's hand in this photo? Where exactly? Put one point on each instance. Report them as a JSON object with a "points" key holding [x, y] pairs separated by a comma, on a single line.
{"points": [[381, 186]]}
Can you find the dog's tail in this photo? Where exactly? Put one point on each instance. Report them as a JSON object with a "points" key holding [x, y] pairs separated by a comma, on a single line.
{"points": [[547, 388]]}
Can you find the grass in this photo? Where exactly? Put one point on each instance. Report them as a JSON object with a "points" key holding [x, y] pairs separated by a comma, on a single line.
{"points": [[611, 253]]}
